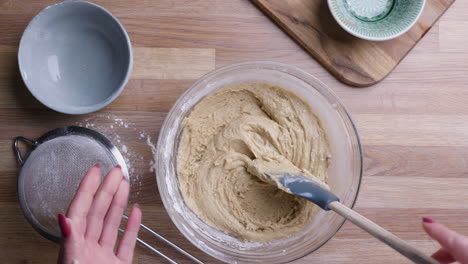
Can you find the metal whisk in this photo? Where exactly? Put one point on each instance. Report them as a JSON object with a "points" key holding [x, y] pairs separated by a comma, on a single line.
{"points": [[185, 253]]}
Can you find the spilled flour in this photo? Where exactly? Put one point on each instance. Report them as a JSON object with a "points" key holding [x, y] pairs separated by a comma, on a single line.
{"points": [[133, 145], [153, 151]]}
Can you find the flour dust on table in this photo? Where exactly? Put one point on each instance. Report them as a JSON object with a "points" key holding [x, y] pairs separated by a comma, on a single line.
{"points": [[125, 136]]}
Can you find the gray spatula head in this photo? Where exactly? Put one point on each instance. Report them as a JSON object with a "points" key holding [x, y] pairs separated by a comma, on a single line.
{"points": [[308, 189]]}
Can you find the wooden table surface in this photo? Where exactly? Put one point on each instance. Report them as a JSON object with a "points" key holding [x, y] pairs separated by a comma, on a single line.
{"points": [[413, 125]]}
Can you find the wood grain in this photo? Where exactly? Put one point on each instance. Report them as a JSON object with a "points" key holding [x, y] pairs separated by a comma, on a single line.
{"points": [[350, 59], [401, 246], [451, 36], [172, 63], [428, 161], [414, 192], [413, 130], [407, 173], [369, 251]]}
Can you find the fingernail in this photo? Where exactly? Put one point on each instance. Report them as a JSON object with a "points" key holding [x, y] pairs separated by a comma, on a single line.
{"points": [[136, 205], [428, 220], [118, 167], [97, 165], [64, 226]]}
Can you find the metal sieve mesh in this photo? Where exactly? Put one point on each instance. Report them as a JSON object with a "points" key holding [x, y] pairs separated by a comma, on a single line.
{"points": [[50, 176], [52, 172]]}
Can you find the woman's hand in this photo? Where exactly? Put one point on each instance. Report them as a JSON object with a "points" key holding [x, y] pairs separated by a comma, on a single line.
{"points": [[454, 246], [89, 232]]}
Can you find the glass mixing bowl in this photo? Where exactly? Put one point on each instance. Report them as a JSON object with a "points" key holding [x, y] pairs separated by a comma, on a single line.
{"points": [[344, 173]]}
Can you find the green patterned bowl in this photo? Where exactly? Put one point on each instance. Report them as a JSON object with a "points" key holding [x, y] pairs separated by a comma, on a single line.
{"points": [[376, 20]]}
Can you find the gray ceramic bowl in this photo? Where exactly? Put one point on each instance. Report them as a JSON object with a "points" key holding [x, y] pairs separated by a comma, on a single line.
{"points": [[75, 57]]}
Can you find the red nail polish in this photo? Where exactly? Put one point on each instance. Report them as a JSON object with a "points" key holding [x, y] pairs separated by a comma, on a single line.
{"points": [[118, 167], [64, 227], [428, 220], [97, 165]]}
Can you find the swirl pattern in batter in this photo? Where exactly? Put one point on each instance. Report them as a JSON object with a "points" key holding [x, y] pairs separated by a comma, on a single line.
{"points": [[230, 139]]}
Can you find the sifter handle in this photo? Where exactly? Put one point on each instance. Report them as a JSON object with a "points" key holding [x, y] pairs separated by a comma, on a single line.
{"points": [[19, 157]]}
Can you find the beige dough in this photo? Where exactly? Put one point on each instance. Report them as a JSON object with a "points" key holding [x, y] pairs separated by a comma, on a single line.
{"points": [[230, 139]]}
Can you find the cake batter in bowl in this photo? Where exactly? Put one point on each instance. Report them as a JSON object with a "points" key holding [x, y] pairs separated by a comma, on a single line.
{"points": [[232, 246]]}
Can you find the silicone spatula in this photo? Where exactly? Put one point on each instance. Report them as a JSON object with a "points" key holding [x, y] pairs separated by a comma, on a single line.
{"points": [[314, 192]]}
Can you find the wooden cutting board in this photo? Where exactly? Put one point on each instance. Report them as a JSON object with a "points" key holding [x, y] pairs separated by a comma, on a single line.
{"points": [[354, 61]]}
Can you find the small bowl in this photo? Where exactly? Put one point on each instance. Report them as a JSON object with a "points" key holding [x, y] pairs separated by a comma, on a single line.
{"points": [[376, 20], [75, 57], [345, 171]]}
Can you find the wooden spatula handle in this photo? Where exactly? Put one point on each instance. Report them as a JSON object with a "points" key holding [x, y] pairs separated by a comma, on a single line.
{"points": [[382, 234]]}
